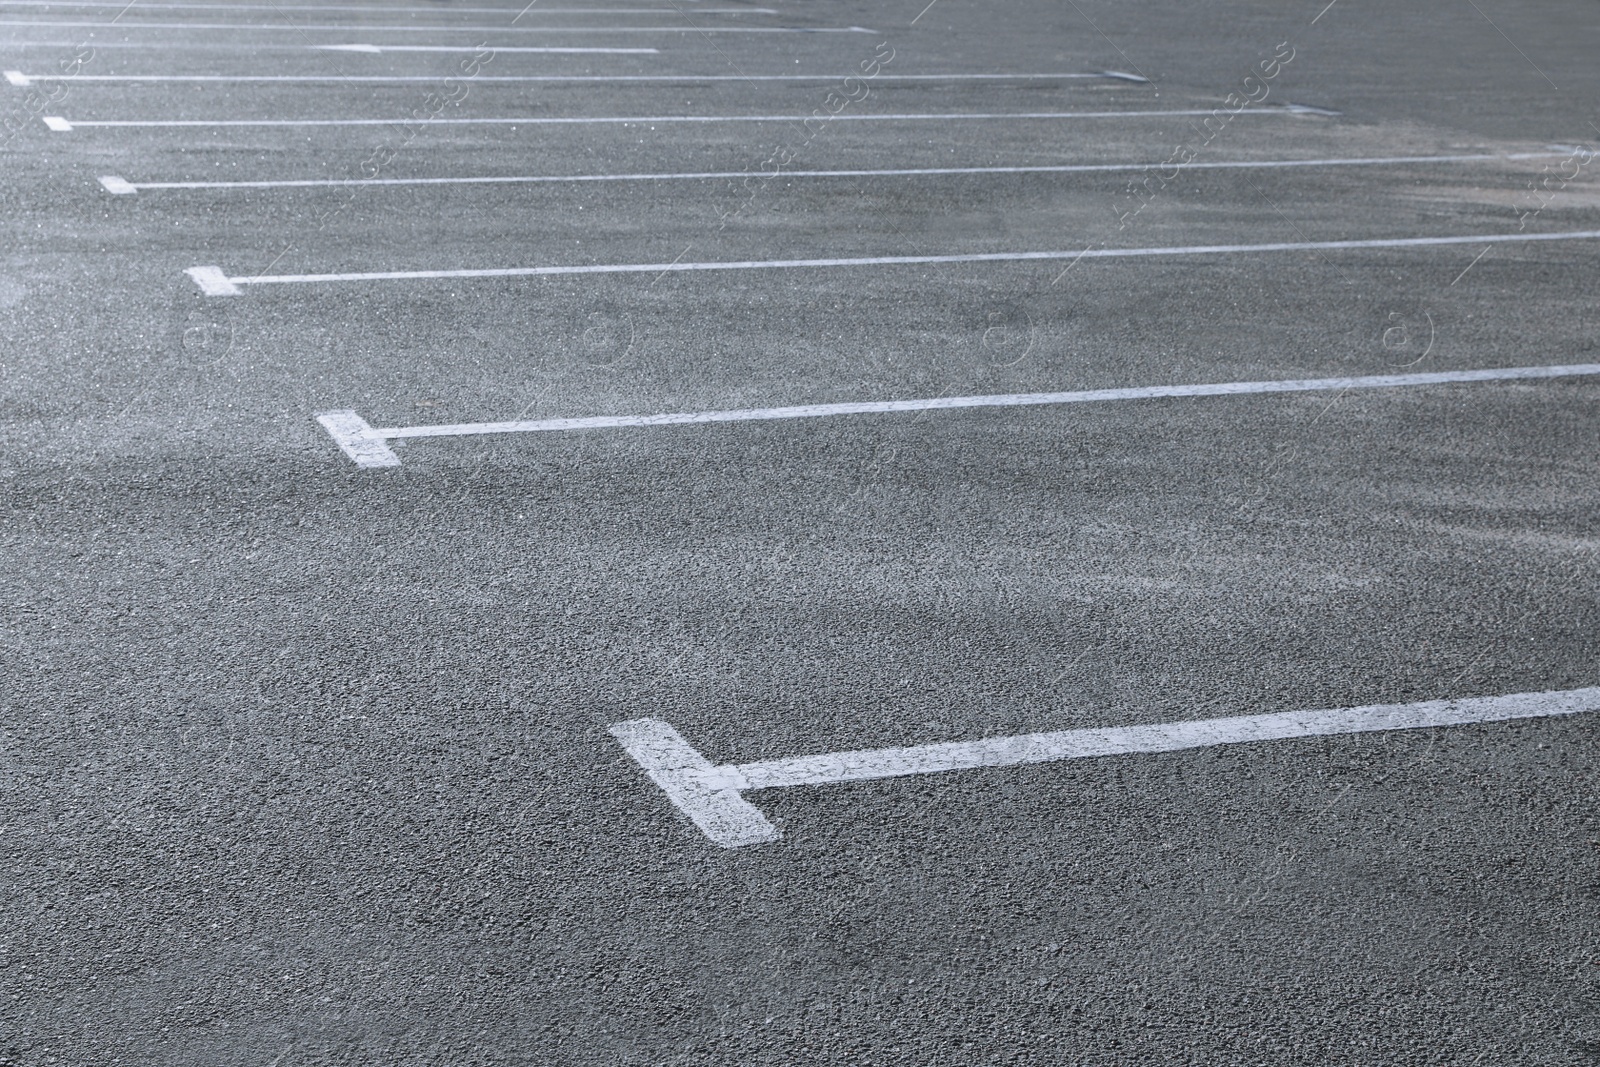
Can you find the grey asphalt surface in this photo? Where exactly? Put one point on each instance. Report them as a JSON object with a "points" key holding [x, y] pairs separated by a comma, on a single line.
{"points": [[307, 764]]}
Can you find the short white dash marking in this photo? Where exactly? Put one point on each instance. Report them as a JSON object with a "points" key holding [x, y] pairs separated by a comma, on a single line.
{"points": [[357, 440], [710, 795], [119, 187], [681, 772], [212, 281], [57, 123], [16, 77]]}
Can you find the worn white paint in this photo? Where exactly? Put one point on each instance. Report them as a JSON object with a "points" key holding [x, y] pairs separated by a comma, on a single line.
{"points": [[644, 120], [711, 796], [948, 403], [909, 172], [678, 266], [375, 50], [357, 440]]}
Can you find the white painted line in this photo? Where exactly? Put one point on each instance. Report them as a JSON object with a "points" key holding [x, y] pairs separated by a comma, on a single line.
{"points": [[895, 261], [224, 44], [518, 10], [372, 49], [57, 123], [400, 28], [993, 400], [212, 281], [711, 795], [16, 77], [118, 187], [357, 440], [607, 78], [1068, 168], [645, 120], [683, 774]]}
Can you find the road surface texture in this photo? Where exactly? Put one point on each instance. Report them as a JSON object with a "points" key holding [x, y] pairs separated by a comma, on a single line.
{"points": [[309, 762]]}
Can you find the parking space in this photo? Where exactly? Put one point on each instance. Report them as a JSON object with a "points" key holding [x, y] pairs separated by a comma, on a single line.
{"points": [[705, 532]]}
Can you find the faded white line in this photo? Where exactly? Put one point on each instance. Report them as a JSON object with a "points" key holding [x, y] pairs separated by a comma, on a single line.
{"points": [[896, 261], [369, 28], [354, 434], [375, 50], [223, 45], [17, 77], [710, 795], [389, 9], [64, 124], [123, 186]]}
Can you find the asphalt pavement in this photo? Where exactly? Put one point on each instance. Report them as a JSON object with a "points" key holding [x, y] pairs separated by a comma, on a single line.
{"points": [[310, 758]]}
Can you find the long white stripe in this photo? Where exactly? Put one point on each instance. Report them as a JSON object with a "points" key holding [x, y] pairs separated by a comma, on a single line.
{"points": [[372, 49], [519, 11], [640, 120], [17, 77], [711, 795], [1069, 168], [367, 446], [994, 400], [1158, 737], [167, 46], [369, 28], [894, 261]]}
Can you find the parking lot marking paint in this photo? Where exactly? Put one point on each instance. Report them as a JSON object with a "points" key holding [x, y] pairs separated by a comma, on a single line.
{"points": [[644, 120], [212, 281], [1070, 168], [895, 261], [357, 440], [372, 49], [392, 10], [946, 403], [224, 45], [683, 774], [711, 796], [17, 77], [400, 28], [57, 123]]}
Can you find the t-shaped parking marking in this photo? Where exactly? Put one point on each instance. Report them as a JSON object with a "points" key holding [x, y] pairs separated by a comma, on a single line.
{"points": [[711, 796]]}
